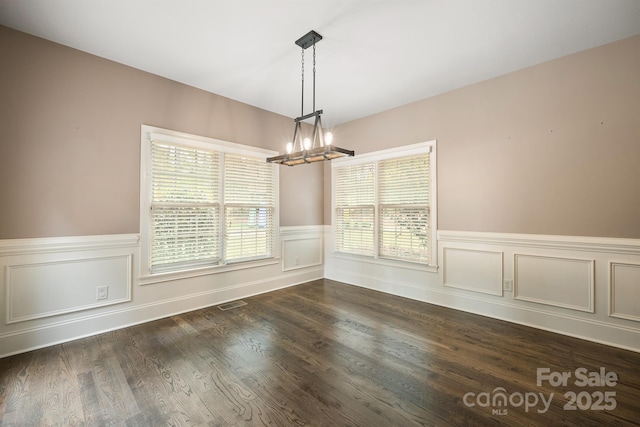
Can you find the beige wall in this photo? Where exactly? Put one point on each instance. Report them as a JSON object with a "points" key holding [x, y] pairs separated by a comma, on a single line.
{"points": [[551, 149], [70, 140]]}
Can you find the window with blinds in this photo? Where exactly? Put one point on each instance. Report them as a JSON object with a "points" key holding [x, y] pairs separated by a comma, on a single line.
{"points": [[207, 204], [185, 206], [249, 205], [355, 209], [403, 200], [382, 207]]}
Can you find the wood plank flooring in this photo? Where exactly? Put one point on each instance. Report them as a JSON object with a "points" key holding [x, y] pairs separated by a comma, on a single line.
{"points": [[321, 354]]}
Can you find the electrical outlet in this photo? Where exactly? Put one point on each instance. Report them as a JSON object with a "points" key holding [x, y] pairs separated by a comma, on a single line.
{"points": [[508, 285], [296, 260], [102, 292]]}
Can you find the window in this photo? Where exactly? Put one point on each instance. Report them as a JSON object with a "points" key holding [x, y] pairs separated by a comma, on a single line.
{"points": [[185, 206], [383, 204], [403, 208], [204, 202], [355, 208], [248, 208]]}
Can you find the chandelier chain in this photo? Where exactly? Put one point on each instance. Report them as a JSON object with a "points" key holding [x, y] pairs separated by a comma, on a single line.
{"points": [[302, 67], [314, 76]]}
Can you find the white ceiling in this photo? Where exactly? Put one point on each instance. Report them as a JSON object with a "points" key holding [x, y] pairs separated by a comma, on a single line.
{"points": [[375, 55]]}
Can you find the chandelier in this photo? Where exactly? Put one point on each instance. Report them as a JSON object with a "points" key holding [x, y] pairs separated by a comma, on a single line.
{"points": [[317, 146]]}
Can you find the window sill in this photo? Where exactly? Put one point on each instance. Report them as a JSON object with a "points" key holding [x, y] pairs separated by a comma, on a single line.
{"points": [[407, 265], [168, 276]]}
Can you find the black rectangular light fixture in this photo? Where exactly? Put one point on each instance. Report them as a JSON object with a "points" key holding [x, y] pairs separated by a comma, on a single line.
{"points": [[318, 146]]}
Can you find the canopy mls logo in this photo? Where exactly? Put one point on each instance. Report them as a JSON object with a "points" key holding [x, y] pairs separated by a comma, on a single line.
{"points": [[594, 399], [499, 400]]}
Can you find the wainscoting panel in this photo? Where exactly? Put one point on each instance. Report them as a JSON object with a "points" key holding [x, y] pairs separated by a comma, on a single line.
{"points": [[473, 270], [601, 275], [624, 291], [49, 295], [560, 282], [302, 247], [51, 288]]}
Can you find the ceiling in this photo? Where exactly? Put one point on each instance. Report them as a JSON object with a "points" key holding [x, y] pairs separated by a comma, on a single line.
{"points": [[375, 55]]}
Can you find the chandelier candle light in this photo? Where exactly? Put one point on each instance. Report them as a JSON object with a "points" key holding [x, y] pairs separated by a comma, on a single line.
{"points": [[318, 146]]}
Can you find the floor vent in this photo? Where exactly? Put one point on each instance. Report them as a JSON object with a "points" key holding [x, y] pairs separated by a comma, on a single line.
{"points": [[232, 304]]}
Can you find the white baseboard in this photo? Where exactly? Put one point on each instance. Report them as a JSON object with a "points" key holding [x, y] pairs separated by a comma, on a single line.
{"points": [[53, 283], [588, 329], [578, 287], [603, 273], [92, 324]]}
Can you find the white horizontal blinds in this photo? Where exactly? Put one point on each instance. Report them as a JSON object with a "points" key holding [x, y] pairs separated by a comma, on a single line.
{"points": [[354, 188], [403, 197], [249, 206], [185, 210]]}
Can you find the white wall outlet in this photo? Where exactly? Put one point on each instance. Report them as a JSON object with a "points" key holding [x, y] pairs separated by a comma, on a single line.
{"points": [[102, 292], [508, 285], [296, 261]]}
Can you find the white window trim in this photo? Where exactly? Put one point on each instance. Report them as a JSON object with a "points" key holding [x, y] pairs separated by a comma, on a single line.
{"points": [[374, 156], [147, 133]]}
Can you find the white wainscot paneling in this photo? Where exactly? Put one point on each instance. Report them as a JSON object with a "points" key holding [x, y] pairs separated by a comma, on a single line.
{"points": [[555, 281], [48, 285], [44, 289], [624, 289], [302, 247], [473, 270]]}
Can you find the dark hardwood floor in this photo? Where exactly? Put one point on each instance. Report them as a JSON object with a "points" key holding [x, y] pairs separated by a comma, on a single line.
{"points": [[322, 354]]}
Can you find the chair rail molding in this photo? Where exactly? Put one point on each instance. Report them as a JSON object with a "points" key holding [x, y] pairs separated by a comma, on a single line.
{"points": [[11, 247], [578, 243]]}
